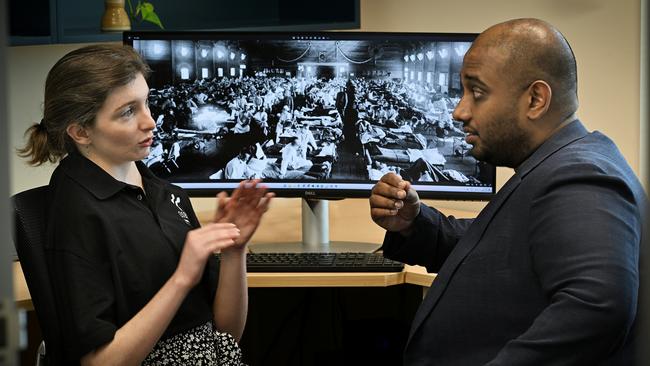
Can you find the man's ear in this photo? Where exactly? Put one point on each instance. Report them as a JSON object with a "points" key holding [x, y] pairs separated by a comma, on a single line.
{"points": [[78, 134], [539, 99]]}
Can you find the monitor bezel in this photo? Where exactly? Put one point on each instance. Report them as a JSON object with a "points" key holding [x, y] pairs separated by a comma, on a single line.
{"points": [[322, 193]]}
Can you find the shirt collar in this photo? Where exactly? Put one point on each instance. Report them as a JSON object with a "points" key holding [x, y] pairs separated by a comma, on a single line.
{"points": [[97, 181]]}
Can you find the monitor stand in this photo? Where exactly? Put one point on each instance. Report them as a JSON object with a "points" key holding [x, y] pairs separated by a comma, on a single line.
{"points": [[315, 234]]}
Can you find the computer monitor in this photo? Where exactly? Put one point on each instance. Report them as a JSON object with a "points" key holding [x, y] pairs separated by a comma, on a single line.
{"points": [[317, 115]]}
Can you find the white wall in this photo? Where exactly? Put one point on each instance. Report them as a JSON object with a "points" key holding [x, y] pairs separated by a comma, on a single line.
{"points": [[28, 67]]}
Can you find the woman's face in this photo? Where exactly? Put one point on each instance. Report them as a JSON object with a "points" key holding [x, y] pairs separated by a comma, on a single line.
{"points": [[123, 127]]}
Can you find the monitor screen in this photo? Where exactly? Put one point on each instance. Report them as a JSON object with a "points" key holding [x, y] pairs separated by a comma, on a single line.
{"points": [[314, 115]]}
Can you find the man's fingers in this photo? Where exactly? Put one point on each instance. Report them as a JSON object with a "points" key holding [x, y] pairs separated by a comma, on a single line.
{"points": [[377, 201], [395, 189], [391, 179], [378, 213], [411, 195], [382, 189]]}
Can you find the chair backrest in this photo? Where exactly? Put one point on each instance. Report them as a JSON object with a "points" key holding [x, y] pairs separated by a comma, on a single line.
{"points": [[29, 238]]}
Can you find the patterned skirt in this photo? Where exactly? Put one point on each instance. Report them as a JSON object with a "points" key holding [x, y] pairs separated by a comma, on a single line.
{"points": [[202, 345]]}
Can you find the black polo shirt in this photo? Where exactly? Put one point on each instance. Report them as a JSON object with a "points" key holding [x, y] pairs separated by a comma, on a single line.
{"points": [[110, 248]]}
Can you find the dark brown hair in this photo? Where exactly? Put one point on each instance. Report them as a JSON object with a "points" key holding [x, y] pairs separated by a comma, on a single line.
{"points": [[75, 90]]}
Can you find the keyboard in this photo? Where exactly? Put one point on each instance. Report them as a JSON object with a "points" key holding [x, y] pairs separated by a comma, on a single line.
{"points": [[321, 262]]}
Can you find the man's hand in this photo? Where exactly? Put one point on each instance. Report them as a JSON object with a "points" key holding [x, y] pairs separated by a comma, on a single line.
{"points": [[393, 203], [244, 208]]}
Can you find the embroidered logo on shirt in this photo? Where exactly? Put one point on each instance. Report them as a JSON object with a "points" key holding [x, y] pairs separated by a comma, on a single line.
{"points": [[176, 200]]}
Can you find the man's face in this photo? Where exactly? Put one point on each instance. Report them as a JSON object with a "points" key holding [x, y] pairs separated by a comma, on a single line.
{"points": [[491, 109]]}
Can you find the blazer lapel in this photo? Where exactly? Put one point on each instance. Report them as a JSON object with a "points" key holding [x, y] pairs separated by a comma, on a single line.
{"points": [[463, 248], [565, 136]]}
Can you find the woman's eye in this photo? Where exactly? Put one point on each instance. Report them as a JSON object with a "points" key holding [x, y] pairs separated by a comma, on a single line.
{"points": [[128, 112]]}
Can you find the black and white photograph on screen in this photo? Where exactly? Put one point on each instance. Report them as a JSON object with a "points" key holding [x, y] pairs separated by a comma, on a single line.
{"points": [[308, 109]]}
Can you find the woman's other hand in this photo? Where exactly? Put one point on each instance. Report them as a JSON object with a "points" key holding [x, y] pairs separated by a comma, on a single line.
{"points": [[199, 245]]}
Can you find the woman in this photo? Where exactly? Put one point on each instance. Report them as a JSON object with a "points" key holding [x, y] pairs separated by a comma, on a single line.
{"points": [[134, 275]]}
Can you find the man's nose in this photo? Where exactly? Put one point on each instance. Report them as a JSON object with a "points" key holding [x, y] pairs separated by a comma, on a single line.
{"points": [[461, 112]]}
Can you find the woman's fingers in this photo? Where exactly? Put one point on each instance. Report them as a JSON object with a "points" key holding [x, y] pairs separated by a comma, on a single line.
{"points": [[216, 236], [221, 230], [251, 192], [250, 197], [221, 212], [264, 202]]}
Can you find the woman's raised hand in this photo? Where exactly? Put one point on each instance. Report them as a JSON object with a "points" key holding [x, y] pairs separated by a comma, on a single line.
{"points": [[244, 208]]}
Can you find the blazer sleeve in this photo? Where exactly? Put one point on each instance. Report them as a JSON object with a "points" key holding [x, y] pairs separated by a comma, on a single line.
{"points": [[585, 238], [433, 238]]}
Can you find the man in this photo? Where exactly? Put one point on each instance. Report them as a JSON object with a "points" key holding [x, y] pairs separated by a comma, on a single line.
{"points": [[341, 101], [305, 140], [237, 167], [243, 124], [285, 120], [261, 124], [293, 165], [548, 272]]}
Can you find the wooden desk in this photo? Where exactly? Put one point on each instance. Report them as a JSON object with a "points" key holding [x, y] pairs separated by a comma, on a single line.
{"points": [[412, 275], [336, 279], [21, 293], [417, 275]]}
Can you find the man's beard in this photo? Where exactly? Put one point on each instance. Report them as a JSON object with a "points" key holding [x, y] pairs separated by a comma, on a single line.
{"points": [[507, 144]]}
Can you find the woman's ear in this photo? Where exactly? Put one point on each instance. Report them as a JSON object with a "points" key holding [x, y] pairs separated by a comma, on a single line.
{"points": [[78, 134], [539, 99]]}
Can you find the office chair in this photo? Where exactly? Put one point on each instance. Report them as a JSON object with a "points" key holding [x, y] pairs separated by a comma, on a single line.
{"points": [[29, 239]]}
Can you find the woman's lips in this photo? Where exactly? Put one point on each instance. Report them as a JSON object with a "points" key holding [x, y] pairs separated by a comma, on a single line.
{"points": [[146, 142]]}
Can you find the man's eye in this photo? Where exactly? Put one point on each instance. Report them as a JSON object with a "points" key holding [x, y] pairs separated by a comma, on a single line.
{"points": [[477, 93]]}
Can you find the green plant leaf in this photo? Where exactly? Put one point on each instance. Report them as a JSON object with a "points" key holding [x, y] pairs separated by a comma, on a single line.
{"points": [[145, 8], [146, 11], [153, 18]]}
